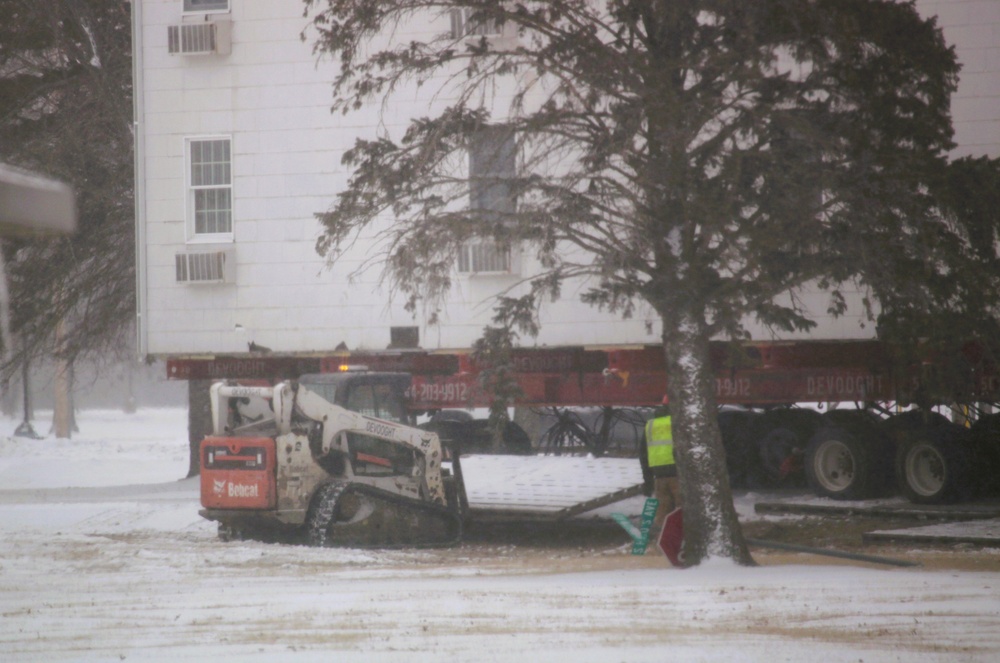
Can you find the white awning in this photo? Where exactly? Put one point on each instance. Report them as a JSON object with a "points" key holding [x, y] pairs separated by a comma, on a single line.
{"points": [[34, 205]]}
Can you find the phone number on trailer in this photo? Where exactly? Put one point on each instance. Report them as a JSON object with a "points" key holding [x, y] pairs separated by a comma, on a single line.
{"points": [[448, 392], [732, 387]]}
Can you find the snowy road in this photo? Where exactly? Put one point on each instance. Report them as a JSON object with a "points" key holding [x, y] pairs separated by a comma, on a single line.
{"points": [[107, 573]]}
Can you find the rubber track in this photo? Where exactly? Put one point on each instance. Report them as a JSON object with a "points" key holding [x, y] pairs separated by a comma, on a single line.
{"points": [[361, 534]]}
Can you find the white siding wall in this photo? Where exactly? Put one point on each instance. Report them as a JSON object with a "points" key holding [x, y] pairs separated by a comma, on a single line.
{"points": [[973, 27], [272, 97]]}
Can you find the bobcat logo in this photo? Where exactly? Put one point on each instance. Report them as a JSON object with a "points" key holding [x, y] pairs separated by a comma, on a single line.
{"points": [[218, 487]]}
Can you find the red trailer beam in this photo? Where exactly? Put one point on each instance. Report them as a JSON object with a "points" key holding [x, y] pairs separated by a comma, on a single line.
{"points": [[751, 374], [759, 387]]}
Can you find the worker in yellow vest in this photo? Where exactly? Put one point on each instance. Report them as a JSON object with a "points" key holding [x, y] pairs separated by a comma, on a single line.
{"points": [[658, 467]]}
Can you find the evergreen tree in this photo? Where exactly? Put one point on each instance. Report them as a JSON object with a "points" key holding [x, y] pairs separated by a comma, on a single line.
{"points": [[707, 159], [66, 112]]}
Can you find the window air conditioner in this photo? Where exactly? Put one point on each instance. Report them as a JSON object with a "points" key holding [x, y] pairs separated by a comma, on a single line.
{"points": [[200, 38], [484, 257], [205, 266]]}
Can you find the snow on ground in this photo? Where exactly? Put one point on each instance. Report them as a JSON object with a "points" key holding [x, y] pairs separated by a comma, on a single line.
{"points": [[110, 448], [103, 557]]}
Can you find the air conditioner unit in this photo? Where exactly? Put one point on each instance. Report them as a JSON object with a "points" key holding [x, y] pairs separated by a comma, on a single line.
{"points": [[213, 37], [484, 257], [205, 266]]}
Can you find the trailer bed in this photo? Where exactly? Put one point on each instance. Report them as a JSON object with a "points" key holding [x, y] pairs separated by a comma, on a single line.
{"points": [[546, 487]]}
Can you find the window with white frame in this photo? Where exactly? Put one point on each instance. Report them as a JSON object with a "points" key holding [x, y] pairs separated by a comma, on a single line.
{"points": [[464, 22], [210, 187], [206, 5], [492, 164]]}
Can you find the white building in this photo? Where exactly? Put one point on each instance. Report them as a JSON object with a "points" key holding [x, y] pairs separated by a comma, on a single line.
{"points": [[237, 150]]}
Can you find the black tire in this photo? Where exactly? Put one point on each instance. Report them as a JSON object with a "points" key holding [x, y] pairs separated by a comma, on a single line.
{"points": [[848, 459], [986, 456], [450, 431], [783, 436], [900, 427], [742, 461], [452, 415], [474, 436], [516, 440], [933, 465]]}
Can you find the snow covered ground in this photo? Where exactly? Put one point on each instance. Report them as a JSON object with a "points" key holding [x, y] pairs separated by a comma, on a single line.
{"points": [[103, 557]]}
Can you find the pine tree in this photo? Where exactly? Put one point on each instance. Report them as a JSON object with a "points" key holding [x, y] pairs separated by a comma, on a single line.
{"points": [[66, 112], [706, 159]]}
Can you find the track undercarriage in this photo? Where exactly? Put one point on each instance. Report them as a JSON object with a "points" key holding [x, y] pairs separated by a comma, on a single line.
{"points": [[357, 515], [351, 515]]}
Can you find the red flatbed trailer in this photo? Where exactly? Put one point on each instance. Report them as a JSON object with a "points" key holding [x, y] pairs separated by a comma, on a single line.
{"points": [[754, 374], [840, 454]]}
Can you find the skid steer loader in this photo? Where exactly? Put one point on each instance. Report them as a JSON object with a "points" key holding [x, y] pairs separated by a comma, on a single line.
{"points": [[333, 459]]}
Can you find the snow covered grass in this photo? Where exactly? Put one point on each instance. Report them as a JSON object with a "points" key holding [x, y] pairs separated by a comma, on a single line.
{"points": [[110, 448], [103, 557]]}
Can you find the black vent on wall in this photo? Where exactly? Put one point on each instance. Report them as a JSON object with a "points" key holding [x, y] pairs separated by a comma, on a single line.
{"points": [[404, 338]]}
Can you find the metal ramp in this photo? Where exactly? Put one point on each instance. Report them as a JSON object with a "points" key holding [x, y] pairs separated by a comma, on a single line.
{"points": [[546, 487]]}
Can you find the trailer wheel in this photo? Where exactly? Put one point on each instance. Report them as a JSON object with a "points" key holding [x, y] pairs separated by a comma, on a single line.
{"points": [[736, 428], [777, 449], [932, 466], [784, 435], [841, 464], [986, 462], [516, 440]]}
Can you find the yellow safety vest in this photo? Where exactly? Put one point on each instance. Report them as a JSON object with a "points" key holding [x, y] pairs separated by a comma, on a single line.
{"points": [[659, 442]]}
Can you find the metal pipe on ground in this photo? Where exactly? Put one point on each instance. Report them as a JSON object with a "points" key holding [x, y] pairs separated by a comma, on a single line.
{"points": [[874, 559]]}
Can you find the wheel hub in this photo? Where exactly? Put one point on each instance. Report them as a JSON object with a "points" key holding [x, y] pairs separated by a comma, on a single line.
{"points": [[834, 466], [925, 470]]}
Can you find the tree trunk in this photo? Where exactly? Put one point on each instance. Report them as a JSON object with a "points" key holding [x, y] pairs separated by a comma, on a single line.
{"points": [[62, 415], [62, 423], [199, 421], [711, 526]]}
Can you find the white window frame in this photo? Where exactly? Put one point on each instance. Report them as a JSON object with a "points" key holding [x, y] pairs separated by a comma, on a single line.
{"points": [[483, 256], [215, 10], [463, 28], [193, 236]]}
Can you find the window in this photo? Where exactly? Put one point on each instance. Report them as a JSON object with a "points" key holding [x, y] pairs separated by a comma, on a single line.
{"points": [[463, 24], [210, 190], [373, 456], [404, 337], [492, 164], [206, 5], [376, 400]]}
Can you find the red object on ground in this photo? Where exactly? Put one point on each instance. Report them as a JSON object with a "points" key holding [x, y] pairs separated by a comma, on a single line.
{"points": [[671, 540]]}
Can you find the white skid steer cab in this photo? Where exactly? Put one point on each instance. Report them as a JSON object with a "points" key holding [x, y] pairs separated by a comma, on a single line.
{"points": [[333, 459]]}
